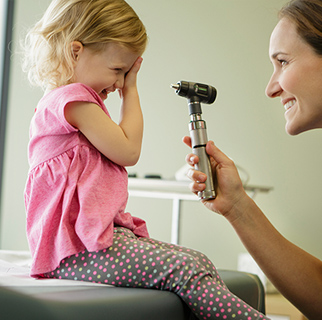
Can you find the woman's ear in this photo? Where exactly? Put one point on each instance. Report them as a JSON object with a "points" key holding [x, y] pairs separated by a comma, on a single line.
{"points": [[77, 48]]}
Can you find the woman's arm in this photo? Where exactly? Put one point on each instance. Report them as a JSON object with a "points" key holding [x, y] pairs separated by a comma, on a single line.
{"points": [[294, 272], [121, 142]]}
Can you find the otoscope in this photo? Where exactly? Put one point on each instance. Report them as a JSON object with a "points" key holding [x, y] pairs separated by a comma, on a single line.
{"points": [[197, 93]]}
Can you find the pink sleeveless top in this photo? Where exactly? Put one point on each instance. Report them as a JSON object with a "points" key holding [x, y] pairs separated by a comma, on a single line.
{"points": [[74, 195]]}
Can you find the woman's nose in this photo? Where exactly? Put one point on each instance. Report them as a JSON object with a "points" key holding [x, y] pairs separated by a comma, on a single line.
{"points": [[273, 88]]}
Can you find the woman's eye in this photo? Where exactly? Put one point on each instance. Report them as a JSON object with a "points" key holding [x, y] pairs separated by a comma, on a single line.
{"points": [[282, 62]]}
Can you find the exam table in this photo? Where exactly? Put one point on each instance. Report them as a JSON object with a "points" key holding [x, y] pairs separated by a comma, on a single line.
{"points": [[22, 297]]}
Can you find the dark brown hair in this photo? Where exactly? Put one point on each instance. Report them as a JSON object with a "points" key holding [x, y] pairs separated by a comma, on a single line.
{"points": [[307, 15]]}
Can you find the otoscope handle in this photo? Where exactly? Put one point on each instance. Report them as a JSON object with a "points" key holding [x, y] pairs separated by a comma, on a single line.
{"points": [[204, 166], [199, 140]]}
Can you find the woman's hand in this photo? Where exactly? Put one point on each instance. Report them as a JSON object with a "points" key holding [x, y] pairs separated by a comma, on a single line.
{"points": [[229, 188]]}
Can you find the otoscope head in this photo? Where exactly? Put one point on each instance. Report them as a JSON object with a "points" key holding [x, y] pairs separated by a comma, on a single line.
{"points": [[202, 93], [195, 93]]}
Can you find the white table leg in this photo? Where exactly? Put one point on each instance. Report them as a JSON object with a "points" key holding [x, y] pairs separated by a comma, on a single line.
{"points": [[175, 226]]}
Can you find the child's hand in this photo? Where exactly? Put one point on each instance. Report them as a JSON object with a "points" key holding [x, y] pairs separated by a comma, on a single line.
{"points": [[131, 77], [125, 146]]}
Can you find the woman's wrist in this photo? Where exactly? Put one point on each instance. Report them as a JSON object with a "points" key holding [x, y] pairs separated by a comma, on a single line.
{"points": [[241, 211]]}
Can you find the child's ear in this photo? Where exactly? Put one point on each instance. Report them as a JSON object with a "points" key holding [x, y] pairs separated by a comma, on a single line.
{"points": [[77, 49]]}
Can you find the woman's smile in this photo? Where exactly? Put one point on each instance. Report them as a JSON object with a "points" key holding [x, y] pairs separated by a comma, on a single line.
{"points": [[288, 105]]}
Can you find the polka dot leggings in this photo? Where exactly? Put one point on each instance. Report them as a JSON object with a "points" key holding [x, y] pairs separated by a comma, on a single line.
{"points": [[147, 263]]}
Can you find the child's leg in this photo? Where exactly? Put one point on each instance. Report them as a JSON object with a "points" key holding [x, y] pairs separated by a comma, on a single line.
{"points": [[146, 263], [203, 260]]}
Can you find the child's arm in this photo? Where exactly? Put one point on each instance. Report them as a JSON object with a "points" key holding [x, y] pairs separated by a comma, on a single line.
{"points": [[121, 142]]}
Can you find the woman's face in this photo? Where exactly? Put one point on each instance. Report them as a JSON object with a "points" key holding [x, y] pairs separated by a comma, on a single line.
{"points": [[297, 78]]}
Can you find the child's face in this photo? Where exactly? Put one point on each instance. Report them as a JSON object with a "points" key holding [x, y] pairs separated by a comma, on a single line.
{"points": [[104, 71]]}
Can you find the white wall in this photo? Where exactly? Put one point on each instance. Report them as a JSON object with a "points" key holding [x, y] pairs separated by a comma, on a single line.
{"points": [[223, 43], [2, 33]]}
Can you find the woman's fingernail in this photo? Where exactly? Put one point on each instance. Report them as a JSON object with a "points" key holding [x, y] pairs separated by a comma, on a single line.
{"points": [[201, 178]]}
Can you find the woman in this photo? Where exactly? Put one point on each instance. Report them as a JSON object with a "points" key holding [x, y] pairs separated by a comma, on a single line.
{"points": [[296, 54]]}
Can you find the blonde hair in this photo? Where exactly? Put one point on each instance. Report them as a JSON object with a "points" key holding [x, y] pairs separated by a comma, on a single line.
{"points": [[48, 57]]}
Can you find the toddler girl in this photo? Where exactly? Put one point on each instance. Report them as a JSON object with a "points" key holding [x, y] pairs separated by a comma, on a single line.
{"points": [[76, 193]]}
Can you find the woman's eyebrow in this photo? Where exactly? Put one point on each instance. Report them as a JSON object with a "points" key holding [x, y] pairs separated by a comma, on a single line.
{"points": [[274, 55]]}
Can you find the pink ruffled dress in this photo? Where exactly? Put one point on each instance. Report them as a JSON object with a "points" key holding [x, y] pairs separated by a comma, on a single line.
{"points": [[74, 195]]}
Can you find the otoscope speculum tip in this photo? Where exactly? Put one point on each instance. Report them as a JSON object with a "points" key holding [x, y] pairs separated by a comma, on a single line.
{"points": [[175, 86]]}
